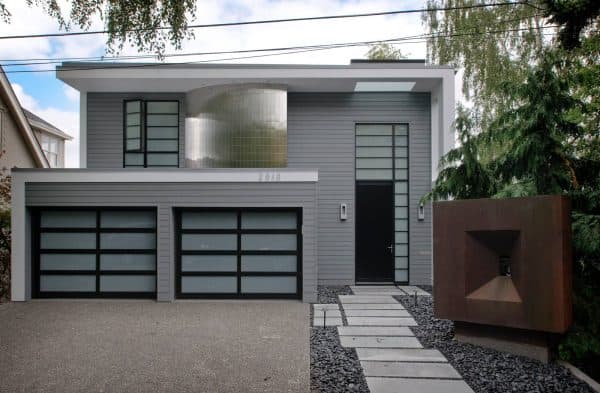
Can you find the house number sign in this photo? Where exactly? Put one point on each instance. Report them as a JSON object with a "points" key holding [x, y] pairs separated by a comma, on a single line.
{"points": [[269, 176]]}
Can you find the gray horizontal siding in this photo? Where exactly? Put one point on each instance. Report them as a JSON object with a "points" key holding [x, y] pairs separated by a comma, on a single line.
{"points": [[321, 132], [321, 136], [105, 126], [165, 196]]}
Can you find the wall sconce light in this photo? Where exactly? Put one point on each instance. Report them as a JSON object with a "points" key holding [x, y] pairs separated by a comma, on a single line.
{"points": [[343, 211]]}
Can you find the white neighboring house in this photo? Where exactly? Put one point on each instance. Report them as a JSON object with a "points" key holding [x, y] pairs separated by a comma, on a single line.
{"points": [[50, 137]]}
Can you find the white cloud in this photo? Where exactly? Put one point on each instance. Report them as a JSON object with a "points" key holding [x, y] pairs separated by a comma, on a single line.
{"points": [[70, 93], [67, 121]]}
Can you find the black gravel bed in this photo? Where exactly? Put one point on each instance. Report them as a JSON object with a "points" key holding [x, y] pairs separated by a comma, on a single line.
{"points": [[333, 368], [487, 370], [328, 294]]}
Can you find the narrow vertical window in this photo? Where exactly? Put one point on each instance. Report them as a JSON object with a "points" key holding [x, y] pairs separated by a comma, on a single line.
{"points": [[134, 152]]}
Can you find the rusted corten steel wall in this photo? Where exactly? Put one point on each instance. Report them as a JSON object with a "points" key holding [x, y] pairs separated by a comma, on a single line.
{"points": [[504, 262]]}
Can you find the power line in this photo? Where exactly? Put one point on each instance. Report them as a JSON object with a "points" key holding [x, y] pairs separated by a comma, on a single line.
{"points": [[54, 60], [397, 40], [285, 20]]}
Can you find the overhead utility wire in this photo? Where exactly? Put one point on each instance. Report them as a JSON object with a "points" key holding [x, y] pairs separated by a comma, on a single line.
{"points": [[257, 22], [53, 60], [298, 48], [398, 40]]}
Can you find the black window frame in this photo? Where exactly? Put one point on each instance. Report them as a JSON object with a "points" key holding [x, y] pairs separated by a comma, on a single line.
{"points": [[143, 150], [393, 181], [238, 252], [37, 230]]}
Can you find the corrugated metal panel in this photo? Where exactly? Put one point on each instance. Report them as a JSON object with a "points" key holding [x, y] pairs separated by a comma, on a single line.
{"points": [[167, 195], [321, 136]]}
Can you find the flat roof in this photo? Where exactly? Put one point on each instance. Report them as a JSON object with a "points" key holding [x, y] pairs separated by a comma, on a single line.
{"points": [[184, 77]]}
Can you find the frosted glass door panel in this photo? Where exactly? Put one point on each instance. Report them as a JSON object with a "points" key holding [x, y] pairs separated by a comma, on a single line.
{"points": [[208, 263], [269, 220], [128, 262], [128, 283], [209, 242], [68, 219], [68, 283], [68, 240], [258, 284], [269, 263], [68, 262], [269, 242], [209, 220], [212, 284]]}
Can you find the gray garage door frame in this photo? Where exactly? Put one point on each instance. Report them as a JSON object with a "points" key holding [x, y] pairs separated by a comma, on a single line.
{"points": [[238, 256], [85, 252]]}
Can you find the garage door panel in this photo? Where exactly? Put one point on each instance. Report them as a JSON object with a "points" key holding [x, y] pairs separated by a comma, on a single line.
{"points": [[67, 283], [124, 241], [75, 219], [269, 263], [68, 240], [208, 284], [208, 263], [269, 284], [128, 262], [209, 242], [269, 242], [127, 219], [238, 252], [269, 220], [127, 283], [94, 252], [68, 262], [209, 220]]}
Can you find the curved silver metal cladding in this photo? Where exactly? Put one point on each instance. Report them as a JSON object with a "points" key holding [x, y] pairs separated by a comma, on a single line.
{"points": [[242, 126]]}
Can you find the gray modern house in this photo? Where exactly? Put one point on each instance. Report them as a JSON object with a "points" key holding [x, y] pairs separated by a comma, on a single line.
{"points": [[236, 181]]}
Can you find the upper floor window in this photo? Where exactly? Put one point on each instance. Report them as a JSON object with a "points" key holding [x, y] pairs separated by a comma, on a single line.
{"points": [[151, 134], [50, 149]]}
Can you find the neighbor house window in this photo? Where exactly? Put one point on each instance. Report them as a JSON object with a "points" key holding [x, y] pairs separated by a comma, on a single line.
{"points": [[50, 148], [151, 134]]}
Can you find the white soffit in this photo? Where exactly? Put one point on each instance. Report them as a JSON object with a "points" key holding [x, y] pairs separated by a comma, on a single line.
{"points": [[382, 86]]}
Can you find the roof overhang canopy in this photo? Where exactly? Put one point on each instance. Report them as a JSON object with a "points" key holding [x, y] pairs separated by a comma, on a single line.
{"points": [[135, 77]]}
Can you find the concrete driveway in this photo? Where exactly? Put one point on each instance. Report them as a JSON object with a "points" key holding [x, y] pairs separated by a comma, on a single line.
{"points": [[143, 346]]}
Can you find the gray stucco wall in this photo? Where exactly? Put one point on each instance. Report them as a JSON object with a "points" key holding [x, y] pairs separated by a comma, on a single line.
{"points": [[320, 136], [165, 196]]}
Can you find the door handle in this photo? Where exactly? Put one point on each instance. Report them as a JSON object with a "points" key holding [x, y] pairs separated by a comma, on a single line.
{"points": [[391, 248]]}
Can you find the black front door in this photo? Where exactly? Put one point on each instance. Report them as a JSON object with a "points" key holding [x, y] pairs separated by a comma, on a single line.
{"points": [[374, 231]]}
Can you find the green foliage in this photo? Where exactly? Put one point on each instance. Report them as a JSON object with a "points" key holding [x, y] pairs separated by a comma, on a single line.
{"points": [[462, 174], [492, 45], [541, 135], [147, 24], [384, 51], [537, 125], [573, 16]]}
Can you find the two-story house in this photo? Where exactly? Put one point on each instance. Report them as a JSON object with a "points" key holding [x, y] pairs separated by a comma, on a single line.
{"points": [[237, 180]]}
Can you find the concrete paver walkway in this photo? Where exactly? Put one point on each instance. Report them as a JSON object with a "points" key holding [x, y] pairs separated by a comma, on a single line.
{"points": [[392, 358], [327, 315]]}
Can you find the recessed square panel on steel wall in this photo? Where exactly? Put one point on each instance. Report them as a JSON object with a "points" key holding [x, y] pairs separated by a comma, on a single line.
{"points": [[504, 262]]}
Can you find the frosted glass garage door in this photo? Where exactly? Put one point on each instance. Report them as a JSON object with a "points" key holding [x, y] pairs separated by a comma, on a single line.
{"points": [[238, 253], [93, 252]]}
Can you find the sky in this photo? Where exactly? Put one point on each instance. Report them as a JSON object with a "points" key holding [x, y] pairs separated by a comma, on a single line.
{"points": [[56, 102]]}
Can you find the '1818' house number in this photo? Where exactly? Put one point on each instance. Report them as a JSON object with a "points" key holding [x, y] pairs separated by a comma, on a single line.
{"points": [[269, 176]]}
